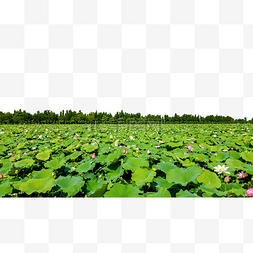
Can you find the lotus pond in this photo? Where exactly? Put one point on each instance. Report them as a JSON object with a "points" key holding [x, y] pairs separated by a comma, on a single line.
{"points": [[126, 160]]}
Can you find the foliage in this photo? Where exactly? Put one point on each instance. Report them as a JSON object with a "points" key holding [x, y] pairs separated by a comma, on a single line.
{"points": [[136, 160]]}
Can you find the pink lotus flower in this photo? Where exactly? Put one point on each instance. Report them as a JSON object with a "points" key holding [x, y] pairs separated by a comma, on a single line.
{"points": [[74, 150], [242, 174], [224, 150], [125, 151], [31, 141], [157, 146], [25, 153], [190, 148], [170, 160], [161, 141], [74, 137], [93, 156], [33, 148], [1, 176], [249, 192], [185, 153], [14, 158], [226, 179]]}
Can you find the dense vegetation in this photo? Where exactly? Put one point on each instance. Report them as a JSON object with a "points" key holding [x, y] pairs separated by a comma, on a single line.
{"points": [[72, 117], [139, 160]]}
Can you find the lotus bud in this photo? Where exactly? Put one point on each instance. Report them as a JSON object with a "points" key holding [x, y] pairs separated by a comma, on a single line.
{"points": [[226, 179], [249, 192]]}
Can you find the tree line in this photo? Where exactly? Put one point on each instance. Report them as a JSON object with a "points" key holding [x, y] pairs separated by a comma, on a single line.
{"points": [[73, 117]]}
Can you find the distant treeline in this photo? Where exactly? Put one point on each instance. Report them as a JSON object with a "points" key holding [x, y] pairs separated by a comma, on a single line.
{"points": [[72, 117]]}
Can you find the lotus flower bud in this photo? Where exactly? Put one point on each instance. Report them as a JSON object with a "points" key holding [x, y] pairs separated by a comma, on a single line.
{"points": [[249, 192], [226, 179]]}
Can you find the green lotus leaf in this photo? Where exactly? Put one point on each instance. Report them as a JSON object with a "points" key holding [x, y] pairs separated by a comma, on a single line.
{"points": [[44, 173], [183, 176], [248, 168], [6, 168], [101, 159], [200, 158], [238, 192], [216, 148], [5, 188], [121, 191], [165, 159], [162, 183], [99, 192], [89, 175], [187, 163], [115, 174], [26, 163], [104, 150], [234, 165], [75, 155], [84, 167], [230, 186], [70, 185], [210, 179], [91, 147], [182, 155], [55, 163], [134, 163], [165, 167], [94, 185], [162, 193], [4, 160], [35, 185], [175, 144], [20, 145], [186, 194], [112, 158], [3, 149], [219, 157], [233, 154], [211, 191], [142, 176], [247, 156], [43, 155], [7, 141]]}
